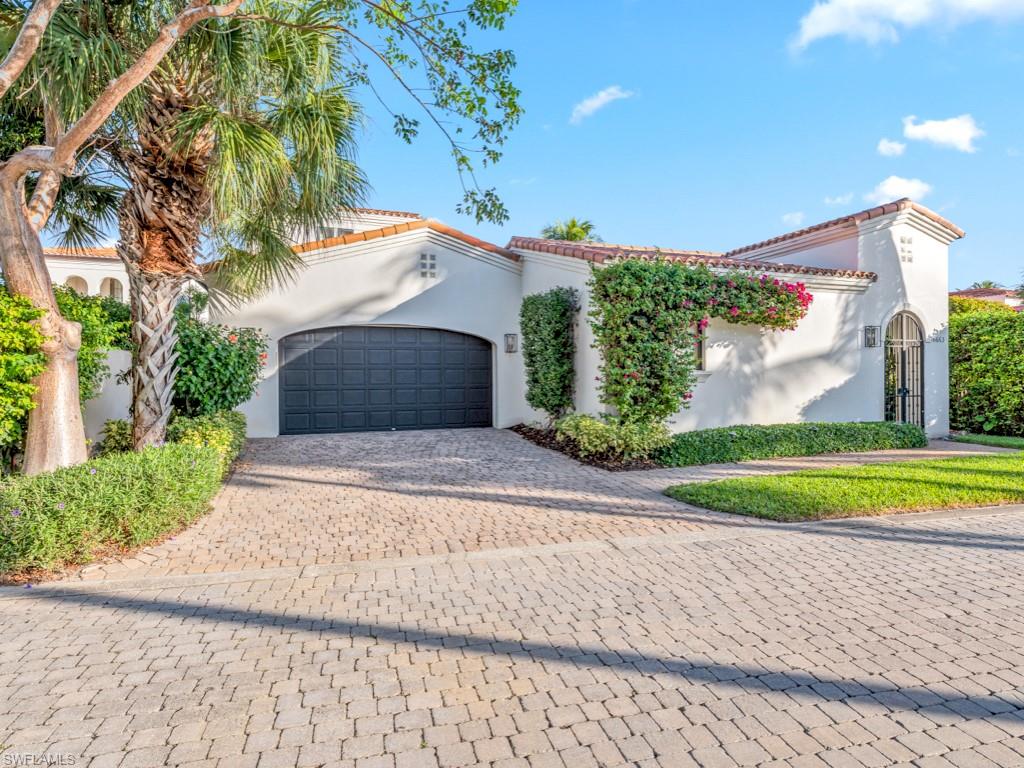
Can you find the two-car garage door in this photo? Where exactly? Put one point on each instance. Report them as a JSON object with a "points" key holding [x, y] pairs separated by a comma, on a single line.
{"points": [[364, 378]]}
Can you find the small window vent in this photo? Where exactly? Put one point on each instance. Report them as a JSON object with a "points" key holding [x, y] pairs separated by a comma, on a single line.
{"points": [[428, 265], [906, 249]]}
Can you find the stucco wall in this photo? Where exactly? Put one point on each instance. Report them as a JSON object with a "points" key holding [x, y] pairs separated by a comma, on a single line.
{"points": [[379, 283], [92, 271], [114, 399]]}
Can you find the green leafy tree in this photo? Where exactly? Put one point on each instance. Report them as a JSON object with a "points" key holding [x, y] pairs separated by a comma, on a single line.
{"points": [[245, 136], [986, 387], [21, 360], [571, 229]]}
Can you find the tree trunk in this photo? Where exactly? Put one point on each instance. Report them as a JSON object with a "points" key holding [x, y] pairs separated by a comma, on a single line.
{"points": [[154, 297], [56, 432]]}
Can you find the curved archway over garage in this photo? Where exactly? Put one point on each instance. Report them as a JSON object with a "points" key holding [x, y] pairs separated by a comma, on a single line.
{"points": [[382, 378]]}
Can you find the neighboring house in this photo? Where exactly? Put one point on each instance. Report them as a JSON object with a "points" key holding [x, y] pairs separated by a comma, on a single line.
{"points": [[91, 271], [1006, 296], [406, 323]]}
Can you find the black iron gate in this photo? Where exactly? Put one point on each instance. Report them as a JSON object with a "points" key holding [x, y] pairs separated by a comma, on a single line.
{"points": [[904, 370]]}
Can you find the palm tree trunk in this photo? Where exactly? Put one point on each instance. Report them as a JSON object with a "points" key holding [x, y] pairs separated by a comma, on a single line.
{"points": [[154, 336], [56, 432]]}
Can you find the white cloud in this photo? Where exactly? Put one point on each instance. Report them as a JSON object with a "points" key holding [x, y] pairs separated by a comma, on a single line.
{"points": [[880, 21], [794, 219], [840, 199], [896, 187], [956, 132], [599, 100], [890, 148]]}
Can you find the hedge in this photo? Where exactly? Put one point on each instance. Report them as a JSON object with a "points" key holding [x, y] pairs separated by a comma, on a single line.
{"points": [[746, 443], [546, 321], [117, 501], [959, 305], [986, 372]]}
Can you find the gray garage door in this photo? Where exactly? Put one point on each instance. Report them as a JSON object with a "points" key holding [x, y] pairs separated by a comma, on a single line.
{"points": [[363, 378]]}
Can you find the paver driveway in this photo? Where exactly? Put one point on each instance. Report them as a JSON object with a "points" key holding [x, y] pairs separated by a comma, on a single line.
{"points": [[645, 634]]}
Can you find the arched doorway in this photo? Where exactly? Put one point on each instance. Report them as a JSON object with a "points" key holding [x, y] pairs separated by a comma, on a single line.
{"points": [[904, 370], [78, 285], [111, 288], [382, 378]]}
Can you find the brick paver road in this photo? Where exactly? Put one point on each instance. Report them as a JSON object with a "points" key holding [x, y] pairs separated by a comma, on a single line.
{"points": [[674, 640]]}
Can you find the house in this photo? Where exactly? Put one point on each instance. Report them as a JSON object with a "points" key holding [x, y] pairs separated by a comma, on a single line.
{"points": [[406, 323], [1009, 297], [90, 271], [402, 322]]}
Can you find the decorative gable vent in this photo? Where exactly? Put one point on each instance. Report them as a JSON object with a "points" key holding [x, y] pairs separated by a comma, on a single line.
{"points": [[428, 265], [906, 248]]}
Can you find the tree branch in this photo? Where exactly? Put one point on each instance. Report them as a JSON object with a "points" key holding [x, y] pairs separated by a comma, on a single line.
{"points": [[197, 11], [25, 44], [45, 194]]}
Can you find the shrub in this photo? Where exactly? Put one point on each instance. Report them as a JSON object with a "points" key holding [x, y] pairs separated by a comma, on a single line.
{"points": [[219, 367], [647, 316], [546, 322], [611, 438], [745, 443], [223, 431], [958, 305], [21, 360], [122, 500], [986, 377], [106, 324]]}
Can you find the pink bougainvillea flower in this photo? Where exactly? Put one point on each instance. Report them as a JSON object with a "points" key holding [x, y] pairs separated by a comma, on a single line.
{"points": [[687, 395], [734, 311]]}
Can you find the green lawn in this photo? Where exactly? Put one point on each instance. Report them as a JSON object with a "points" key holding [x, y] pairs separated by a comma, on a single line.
{"points": [[874, 489], [995, 440]]}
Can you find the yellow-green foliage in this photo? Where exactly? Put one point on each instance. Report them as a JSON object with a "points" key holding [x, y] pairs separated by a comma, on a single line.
{"points": [[223, 431], [958, 305], [21, 360], [611, 438]]}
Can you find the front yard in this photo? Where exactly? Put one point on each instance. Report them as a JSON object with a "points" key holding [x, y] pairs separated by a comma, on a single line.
{"points": [[873, 489]]}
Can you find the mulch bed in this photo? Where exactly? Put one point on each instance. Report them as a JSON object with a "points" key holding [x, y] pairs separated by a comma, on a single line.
{"points": [[546, 438]]}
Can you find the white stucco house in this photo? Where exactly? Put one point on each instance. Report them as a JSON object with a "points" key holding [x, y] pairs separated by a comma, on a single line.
{"points": [[401, 322]]}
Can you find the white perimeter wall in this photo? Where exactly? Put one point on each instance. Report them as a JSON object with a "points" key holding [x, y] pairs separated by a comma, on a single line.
{"points": [[379, 283], [114, 399], [93, 271]]}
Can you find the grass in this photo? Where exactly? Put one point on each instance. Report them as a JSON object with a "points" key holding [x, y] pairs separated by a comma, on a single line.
{"points": [[997, 441], [873, 489]]}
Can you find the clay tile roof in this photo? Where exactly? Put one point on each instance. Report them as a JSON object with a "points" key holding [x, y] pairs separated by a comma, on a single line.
{"points": [[855, 218], [382, 212], [975, 293], [397, 229], [81, 253], [602, 252]]}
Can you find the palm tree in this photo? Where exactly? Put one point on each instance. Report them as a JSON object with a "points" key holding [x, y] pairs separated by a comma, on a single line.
{"points": [[985, 284], [242, 139], [571, 229]]}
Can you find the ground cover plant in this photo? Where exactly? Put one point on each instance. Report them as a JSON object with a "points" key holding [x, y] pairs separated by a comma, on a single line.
{"points": [[873, 489], [996, 441]]}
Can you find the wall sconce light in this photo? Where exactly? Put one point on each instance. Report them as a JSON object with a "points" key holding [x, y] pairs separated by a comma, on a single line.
{"points": [[872, 335], [511, 342]]}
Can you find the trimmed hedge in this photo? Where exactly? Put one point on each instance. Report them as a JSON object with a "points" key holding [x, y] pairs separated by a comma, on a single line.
{"points": [[546, 321], [609, 438], [745, 443], [121, 500], [986, 372], [959, 305]]}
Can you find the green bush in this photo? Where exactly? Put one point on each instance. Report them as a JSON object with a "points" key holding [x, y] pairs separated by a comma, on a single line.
{"points": [[745, 443], [611, 438], [219, 367], [959, 305], [105, 325], [986, 376], [21, 360], [546, 322], [122, 500], [223, 431]]}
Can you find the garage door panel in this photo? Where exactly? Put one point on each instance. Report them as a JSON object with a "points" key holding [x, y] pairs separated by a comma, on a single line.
{"points": [[358, 378]]}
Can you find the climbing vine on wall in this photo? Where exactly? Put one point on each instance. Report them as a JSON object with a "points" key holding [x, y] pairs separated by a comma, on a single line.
{"points": [[645, 315]]}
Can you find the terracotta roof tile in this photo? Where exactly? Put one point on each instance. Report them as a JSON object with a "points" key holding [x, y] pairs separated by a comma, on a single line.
{"points": [[602, 252], [383, 212], [406, 226], [855, 218], [974, 293], [81, 253]]}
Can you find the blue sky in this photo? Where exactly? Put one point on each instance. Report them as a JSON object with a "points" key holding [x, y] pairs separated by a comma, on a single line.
{"points": [[730, 131]]}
